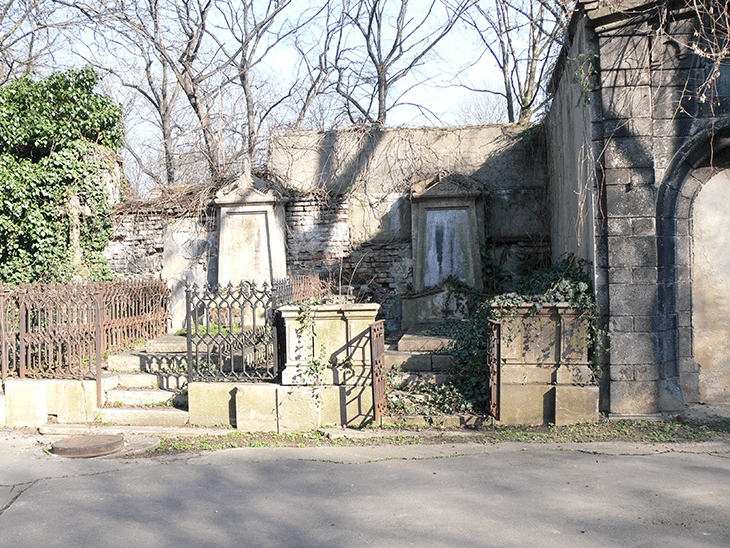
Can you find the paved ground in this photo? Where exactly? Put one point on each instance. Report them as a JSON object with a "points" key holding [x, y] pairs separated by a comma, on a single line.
{"points": [[570, 495]]}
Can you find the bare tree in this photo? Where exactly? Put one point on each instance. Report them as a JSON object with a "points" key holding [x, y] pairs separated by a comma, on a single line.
{"points": [[257, 29], [177, 32], [523, 37], [30, 36], [480, 109], [379, 44]]}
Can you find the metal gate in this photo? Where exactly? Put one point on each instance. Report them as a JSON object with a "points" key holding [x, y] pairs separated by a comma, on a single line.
{"points": [[234, 332], [493, 360], [377, 352], [230, 333]]}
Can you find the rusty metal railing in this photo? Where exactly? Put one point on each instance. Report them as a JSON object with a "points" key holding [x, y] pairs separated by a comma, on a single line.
{"points": [[63, 331]]}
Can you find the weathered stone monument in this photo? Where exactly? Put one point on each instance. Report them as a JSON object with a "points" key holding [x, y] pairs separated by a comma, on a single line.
{"points": [[251, 233], [447, 219]]}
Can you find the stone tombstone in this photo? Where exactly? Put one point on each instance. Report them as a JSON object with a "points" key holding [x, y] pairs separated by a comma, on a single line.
{"points": [[447, 218], [251, 233]]}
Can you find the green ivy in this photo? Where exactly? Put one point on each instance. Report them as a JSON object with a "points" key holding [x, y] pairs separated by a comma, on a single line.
{"points": [[56, 134], [568, 280]]}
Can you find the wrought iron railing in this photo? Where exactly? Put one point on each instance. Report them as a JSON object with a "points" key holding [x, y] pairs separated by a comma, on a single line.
{"points": [[232, 331], [64, 330]]}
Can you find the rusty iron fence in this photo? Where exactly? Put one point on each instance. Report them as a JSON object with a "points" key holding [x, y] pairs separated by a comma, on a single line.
{"points": [[63, 331], [233, 332], [494, 362]]}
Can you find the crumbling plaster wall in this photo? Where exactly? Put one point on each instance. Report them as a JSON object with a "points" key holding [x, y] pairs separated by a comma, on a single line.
{"points": [[179, 250], [352, 212]]}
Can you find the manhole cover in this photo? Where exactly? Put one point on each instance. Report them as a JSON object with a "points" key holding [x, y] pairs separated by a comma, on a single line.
{"points": [[88, 446]]}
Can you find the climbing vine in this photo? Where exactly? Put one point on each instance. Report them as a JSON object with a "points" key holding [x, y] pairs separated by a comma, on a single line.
{"points": [[56, 135]]}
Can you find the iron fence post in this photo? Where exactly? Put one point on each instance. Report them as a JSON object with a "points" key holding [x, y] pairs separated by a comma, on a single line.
{"points": [[99, 337], [189, 331]]}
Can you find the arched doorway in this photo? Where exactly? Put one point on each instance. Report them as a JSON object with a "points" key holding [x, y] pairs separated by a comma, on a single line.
{"points": [[710, 228]]}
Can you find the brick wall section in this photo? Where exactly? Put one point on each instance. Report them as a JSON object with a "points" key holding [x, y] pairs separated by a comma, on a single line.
{"points": [[318, 240], [135, 249]]}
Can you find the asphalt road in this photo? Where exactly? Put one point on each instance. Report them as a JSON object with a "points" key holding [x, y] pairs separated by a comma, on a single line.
{"points": [[587, 495]]}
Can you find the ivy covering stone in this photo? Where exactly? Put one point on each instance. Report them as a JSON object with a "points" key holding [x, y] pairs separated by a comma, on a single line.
{"points": [[56, 134]]}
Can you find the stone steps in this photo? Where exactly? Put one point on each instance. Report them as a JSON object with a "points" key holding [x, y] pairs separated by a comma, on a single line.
{"points": [[144, 416], [142, 397], [148, 392], [418, 361]]}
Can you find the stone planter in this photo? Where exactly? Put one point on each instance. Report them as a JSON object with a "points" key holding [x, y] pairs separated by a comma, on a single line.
{"points": [[334, 338], [546, 375]]}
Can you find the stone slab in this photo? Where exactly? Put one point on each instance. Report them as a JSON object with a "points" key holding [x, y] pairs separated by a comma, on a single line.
{"points": [[423, 343], [137, 416], [128, 361], [574, 404], [530, 404], [408, 360], [2, 410], [138, 380], [167, 344], [256, 407], [299, 408], [137, 397]]}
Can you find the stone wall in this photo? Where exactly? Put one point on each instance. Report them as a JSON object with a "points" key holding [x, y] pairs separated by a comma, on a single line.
{"points": [[360, 232], [148, 246], [660, 144], [363, 234]]}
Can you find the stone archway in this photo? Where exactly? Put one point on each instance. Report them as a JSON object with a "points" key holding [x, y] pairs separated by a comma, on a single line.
{"points": [[691, 229], [710, 236]]}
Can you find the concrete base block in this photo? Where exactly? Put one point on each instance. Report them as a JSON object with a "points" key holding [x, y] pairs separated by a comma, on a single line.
{"points": [[212, 403], [634, 398], [298, 408], [31, 402], [575, 404], [2, 410], [346, 405], [256, 408], [529, 404]]}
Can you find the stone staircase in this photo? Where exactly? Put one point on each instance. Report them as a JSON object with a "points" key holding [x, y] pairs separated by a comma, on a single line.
{"points": [[417, 359], [146, 392]]}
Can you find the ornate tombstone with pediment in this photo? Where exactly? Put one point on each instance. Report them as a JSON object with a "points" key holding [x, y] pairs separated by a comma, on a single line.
{"points": [[252, 233], [447, 230]]}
